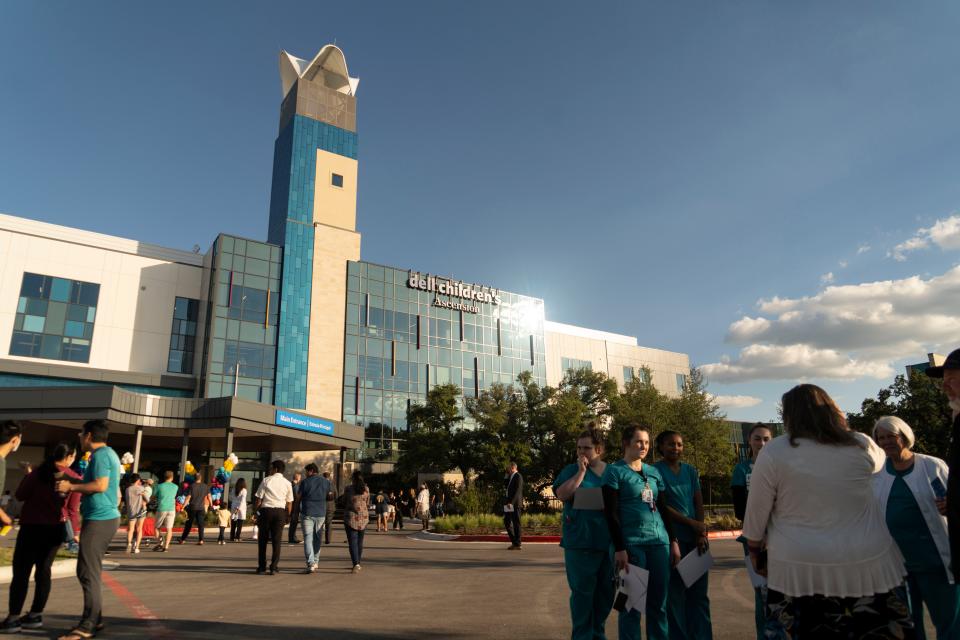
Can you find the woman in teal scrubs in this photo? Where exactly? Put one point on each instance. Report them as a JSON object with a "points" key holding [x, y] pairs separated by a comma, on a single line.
{"points": [[635, 507], [586, 542], [759, 435], [911, 489], [688, 608]]}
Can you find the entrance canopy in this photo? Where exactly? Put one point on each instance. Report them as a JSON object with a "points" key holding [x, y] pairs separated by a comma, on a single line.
{"points": [[51, 414]]}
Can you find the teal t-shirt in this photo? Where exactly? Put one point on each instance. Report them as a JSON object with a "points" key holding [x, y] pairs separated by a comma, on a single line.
{"points": [[909, 529], [166, 495], [104, 463], [582, 529], [681, 489], [741, 475], [642, 525]]}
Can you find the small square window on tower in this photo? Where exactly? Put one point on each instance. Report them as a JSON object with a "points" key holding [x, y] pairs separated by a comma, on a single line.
{"points": [[336, 180]]}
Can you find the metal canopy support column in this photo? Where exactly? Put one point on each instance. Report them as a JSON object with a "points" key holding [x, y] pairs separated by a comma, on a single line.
{"points": [[184, 451], [343, 455], [136, 450], [226, 453]]}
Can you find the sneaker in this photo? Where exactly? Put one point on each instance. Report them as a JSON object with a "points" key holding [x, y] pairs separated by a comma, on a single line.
{"points": [[159, 547], [31, 621], [314, 567], [129, 549], [356, 568], [10, 625], [136, 549]]}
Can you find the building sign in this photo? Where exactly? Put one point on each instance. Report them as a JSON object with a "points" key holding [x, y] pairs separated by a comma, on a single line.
{"points": [[303, 423], [474, 293]]}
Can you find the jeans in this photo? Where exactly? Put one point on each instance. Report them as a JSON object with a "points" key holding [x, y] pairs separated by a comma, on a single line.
{"points": [[95, 537], [331, 509], [194, 516], [236, 528], [37, 544], [355, 540], [312, 527]]}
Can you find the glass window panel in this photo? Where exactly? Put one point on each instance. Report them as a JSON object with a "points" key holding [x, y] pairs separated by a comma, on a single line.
{"points": [[56, 317], [32, 286], [258, 250], [60, 290], [257, 267], [91, 314], [36, 307], [50, 347], [23, 344], [77, 313], [33, 323], [73, 329]]}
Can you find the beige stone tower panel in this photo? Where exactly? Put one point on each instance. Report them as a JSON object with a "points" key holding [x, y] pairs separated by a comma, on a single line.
{"points": [[333, 205]]}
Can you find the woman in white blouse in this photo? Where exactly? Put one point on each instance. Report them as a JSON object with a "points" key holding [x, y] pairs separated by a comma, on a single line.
{"points": [[833, 569]]}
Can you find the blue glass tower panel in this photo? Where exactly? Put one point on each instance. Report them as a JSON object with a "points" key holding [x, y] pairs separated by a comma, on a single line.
{"points": [[291, 225]]}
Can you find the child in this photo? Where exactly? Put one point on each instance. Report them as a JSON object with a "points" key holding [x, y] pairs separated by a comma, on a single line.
{"points": [[223, 520]]}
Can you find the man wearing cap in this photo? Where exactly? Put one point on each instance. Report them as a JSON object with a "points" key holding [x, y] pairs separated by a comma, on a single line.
{"points": [[950, 372]]}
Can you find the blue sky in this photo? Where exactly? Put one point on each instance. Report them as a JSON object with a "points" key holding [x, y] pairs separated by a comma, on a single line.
{"points": [[646, 168]]}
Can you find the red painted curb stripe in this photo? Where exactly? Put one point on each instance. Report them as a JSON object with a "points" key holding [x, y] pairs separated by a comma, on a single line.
{"points": [[137, 608]]}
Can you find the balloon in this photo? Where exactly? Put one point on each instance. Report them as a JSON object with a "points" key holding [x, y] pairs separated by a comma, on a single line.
{"points": [[189, 469], [127, 458]]}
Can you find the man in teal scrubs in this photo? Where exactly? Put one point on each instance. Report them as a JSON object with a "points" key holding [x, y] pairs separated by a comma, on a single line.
{"points": [[587, 554], [100, 488], [688, 607], [635, 507]]}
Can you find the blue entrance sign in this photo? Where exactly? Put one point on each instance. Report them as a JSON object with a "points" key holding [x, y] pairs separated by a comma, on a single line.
{"points": [[304, 423]]}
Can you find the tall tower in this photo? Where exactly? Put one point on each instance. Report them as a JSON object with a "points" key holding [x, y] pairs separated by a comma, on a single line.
{"points": [[313, 211]]}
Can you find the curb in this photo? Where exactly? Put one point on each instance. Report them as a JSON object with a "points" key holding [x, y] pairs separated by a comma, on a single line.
{"points": [[61, 569], [444, 537]]}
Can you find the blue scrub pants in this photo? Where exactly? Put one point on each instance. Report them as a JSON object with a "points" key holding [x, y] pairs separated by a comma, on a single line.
{"points": [[688, 610], [942, 600], [656, 560], [590, 576]]}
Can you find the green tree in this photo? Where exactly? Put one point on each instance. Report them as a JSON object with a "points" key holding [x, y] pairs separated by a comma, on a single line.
{"points": [[639, 403], [917, 400], [435, 442], [706, 443], [501, 432]]}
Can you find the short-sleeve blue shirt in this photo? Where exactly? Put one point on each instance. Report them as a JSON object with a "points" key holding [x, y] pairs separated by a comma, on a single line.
{"points": [[582, 529], [641, 525], [681, 489], [104, 463]]}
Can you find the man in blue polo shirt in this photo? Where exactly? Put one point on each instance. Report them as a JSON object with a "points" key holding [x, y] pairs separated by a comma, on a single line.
{"points": [[100, 488], [313, 492]]}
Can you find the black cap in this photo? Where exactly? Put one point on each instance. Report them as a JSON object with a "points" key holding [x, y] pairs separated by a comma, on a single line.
{"points": [[952, 362]]}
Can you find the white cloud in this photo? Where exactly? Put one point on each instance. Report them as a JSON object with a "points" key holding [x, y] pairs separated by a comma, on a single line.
{"points": [[843, 264], [945, 233], [844, 332], [827, 278], [736, 402], [863, 249]]}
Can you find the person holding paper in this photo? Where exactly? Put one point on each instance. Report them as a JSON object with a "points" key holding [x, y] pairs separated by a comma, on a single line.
{"points": [[911, 490], [833, 571], [585, 540], [688, 608], [512, 503], [634, 504], [758, 436]]}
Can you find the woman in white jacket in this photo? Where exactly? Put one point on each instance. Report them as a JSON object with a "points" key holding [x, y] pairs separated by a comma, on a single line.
{"points": [[911, 490]]}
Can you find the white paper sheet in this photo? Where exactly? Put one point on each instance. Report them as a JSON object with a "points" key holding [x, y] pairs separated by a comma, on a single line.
{"points": [[508, 508], [589, 499], [635, 584], [756, 579], [692, 567]]}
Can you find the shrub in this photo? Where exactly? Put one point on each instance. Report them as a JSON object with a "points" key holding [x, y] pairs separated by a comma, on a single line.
{"points": [[476, 500]]}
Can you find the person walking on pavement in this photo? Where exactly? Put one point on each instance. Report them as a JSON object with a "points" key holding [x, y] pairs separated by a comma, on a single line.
{"points": [[313, 511], [423, 506], [396, 499], [238, 510], [41, 533], [274, 502], [295, 512], [356, 515], [512, 503], [100, 491], [196, 505], [10, 437], [136, 512], [166, 494], [331, 508]]}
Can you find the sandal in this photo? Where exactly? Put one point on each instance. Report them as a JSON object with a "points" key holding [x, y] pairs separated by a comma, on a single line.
{"points": [[77, 633]]}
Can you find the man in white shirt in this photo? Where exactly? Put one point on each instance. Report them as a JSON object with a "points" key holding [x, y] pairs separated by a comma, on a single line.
{"points": [[274, 501]]}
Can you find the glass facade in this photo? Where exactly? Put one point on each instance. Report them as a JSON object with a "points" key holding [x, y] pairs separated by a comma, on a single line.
{"points": [[183, 335], [243, 313], [681, 382], [400, 342], [55, 318], [627, 375], [568, 364]]}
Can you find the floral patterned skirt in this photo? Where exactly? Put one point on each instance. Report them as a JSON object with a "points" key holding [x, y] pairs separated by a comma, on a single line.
{"points": [[883, 616]]}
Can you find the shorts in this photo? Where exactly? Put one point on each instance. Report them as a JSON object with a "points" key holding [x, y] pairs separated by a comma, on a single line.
{"points": [[163, 517], [140, 515]]}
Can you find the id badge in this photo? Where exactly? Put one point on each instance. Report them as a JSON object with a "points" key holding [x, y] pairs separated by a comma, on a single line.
{"points": [[647, 496]]}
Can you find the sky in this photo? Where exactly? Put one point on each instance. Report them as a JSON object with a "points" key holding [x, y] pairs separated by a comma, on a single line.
{"points": [[770, 188]]}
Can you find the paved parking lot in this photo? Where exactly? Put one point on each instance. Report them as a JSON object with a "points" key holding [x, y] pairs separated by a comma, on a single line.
{"points": [[408, 589]]}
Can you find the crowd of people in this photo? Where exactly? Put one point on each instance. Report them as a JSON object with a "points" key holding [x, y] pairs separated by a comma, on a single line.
{"points": [[846, 535]]}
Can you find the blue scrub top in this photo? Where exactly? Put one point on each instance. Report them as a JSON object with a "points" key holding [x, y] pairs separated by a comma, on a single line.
{"points": [[909, 529], [582, 528], [104, 463], [681, 488], [641, 525], [741, 474]]}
